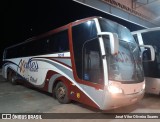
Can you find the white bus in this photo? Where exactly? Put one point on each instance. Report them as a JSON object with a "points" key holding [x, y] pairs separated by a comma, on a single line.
{"points": [[151, 36], [93, 61]]}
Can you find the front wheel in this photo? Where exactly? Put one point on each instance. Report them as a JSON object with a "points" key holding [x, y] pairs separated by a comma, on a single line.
{"points": [[62, 93]]}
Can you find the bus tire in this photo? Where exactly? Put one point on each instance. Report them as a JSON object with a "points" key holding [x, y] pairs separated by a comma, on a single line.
{"points": [[54, 92], [62, 93], [12, 78], [9, 75]]}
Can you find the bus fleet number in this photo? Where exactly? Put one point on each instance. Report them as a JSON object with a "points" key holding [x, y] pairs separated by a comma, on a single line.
{"points": [[61, 55]]}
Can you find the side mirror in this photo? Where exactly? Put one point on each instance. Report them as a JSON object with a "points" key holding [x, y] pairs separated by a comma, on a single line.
{"points": [[114, 42], [148, 53]]}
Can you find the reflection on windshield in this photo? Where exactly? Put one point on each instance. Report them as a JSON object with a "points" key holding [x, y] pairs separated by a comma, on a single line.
{"points": [[122, 67], [123, 64], [126, 65]]}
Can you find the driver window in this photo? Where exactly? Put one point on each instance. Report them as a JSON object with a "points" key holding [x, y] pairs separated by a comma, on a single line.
{"points": [[92, 62]]}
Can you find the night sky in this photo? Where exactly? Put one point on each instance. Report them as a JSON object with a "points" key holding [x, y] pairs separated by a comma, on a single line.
{"points": [[23, 19]]}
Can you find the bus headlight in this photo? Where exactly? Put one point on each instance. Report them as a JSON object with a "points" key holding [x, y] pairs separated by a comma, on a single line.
{"points": [[144, 85], [114, 89]]}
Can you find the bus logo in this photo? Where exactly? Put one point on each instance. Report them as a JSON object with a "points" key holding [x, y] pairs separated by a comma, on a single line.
{"points": [[31, 65], [22, 66]]}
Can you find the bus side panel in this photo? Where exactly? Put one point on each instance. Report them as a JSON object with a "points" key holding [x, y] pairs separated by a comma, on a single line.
{"points": [[152, 85], [15, 65], [74, 93], [4, 71], [78, 95], [35, 71]]}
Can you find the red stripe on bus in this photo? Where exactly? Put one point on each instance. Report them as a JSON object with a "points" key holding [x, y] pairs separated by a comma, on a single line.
{"points": [[51, 58]]}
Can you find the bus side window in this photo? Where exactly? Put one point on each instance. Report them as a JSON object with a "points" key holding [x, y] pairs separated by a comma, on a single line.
{"points": [[80, 34], [59, 42]]}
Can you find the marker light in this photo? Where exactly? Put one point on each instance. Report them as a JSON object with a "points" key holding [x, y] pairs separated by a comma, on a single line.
{"points": [[114, 89]]}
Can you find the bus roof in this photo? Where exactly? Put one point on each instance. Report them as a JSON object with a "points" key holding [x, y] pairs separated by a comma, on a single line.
{"points": [[55, 30]]}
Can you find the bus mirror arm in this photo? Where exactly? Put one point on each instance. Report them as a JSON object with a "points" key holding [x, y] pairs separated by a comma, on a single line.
{"points": [[103, 56], [152, 52], [114, 42]]}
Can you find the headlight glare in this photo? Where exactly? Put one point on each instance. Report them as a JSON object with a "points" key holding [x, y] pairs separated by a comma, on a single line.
{"points": [[114, 89]]}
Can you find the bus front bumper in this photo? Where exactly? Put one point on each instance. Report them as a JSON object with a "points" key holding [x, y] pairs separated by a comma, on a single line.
{"points": [[113, 101]]}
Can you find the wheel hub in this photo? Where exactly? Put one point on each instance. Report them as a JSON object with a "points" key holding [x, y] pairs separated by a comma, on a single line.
{"points": [[61, 92]]}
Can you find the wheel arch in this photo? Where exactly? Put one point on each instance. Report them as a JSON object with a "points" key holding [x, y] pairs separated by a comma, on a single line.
{"points": [[55, 79], [9, 69]]}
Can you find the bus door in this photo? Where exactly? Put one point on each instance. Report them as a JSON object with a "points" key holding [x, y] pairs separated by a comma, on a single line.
{"points": [[92, 70]]}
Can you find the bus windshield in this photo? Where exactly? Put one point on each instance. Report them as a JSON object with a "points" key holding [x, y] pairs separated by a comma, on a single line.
{"points": [[126, 66]]}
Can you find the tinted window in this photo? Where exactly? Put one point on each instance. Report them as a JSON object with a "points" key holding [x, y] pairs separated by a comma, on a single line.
{"points": [[152, 69], [13, 52], [92, 62], [81, 34], [10, 53], [56, 43]]}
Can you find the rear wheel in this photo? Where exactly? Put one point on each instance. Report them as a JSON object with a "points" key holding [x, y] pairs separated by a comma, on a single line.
{"points": [[62, 93], [9, 73], [11, 77]]}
